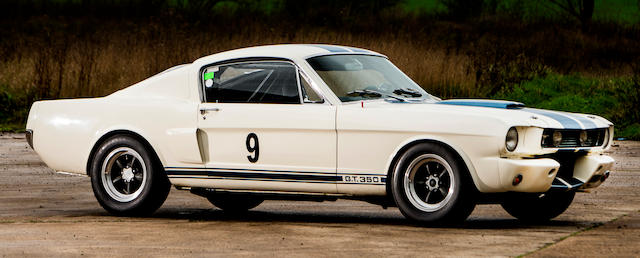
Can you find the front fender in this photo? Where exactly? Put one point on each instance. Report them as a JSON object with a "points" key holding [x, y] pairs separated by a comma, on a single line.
{"points": [[484, 182]]}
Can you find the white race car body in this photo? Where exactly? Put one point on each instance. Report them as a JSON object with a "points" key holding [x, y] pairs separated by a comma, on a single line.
{"points": [[331, 148]]}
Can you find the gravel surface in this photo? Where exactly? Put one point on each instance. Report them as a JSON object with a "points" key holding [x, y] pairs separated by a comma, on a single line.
{"points": [[43, 213]]}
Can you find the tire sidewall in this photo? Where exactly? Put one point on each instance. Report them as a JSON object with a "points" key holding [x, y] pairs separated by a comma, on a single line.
{"points": [[531, 208], [101, 194], [449, 210]]}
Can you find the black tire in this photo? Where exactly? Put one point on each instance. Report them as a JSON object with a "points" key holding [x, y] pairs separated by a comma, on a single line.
{"points": [[456, 193], [537, 208], [234, 203], [139, 185]]}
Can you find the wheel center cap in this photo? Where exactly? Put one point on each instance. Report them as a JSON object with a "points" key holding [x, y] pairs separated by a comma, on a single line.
{"points": [[432, 183], [127, 174]]}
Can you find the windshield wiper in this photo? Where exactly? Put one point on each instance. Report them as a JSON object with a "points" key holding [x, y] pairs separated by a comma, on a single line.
{"points": [[407, 91], [375, 93]]}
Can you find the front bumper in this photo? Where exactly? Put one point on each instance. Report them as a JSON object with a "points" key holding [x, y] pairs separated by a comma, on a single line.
{"points": [[536, 175], [542, 174], [588, 172]]}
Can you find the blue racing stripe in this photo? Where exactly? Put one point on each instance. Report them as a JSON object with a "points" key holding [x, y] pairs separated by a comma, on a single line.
{"points": [[587, 123], [566, 121], [334, 49], [483, 103]]}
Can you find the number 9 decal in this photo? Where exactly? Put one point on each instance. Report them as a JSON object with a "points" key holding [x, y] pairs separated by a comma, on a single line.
{"points": [[255, 149]]}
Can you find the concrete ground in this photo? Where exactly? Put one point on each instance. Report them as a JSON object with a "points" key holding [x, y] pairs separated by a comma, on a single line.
{"points": [[43, 213]]}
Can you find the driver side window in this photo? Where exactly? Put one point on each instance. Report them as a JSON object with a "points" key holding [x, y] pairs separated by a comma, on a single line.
{"points": [[252, 82]]}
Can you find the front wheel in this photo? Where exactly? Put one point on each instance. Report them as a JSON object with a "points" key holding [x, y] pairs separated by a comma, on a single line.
{"points": [[127, 179], [430, 185], [537, 207]]}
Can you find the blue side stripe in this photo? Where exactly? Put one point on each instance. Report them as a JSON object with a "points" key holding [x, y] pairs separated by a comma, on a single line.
{"points": [[566, 122], [267, 175], [267, 170], [333, 49], [252, 170], [277, 180], [588, 124]]}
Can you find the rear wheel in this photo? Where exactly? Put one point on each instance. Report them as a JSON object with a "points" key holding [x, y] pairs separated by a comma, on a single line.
{"points": [[538, 207], [430, 185], [234, 203], [127, 179]]}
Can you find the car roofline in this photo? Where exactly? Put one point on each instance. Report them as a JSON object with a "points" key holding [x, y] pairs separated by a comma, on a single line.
{"points": [[345, 53]]}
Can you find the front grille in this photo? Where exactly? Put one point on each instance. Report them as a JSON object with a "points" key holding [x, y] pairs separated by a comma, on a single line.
{"points": [[571, 138]]}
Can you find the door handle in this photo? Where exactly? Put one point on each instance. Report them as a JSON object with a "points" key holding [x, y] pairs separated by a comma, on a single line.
{"points": [[205, 110]]}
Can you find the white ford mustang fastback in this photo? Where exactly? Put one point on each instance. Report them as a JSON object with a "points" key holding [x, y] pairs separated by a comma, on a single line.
{"points": [[318, 122]]}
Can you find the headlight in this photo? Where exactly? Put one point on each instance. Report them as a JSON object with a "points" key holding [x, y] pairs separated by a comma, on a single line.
{"points": [[557, 138], [583, 138], [511, 141]]}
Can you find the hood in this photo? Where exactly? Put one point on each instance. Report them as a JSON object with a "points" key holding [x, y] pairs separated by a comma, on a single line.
{"points": [[562, 120], [504, 104]]}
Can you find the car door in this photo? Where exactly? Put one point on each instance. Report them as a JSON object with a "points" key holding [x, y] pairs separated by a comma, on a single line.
{"points": [[259, 131]]}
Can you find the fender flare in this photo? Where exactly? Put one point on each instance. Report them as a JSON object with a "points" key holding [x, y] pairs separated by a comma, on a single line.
{"points": [[109, 133], [397, 153]]}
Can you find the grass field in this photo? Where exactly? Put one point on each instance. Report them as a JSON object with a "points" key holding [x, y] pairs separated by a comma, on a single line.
{"points": [[618, 11]]}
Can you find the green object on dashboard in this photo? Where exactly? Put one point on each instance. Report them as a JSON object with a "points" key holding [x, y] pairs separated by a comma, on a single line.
{"points": [[208, 76]]}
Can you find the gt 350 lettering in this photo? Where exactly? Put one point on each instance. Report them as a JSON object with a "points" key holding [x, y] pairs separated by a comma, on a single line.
{"points": [[362, 179]]}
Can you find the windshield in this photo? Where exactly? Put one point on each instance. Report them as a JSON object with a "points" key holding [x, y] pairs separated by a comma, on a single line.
{"points": [[359, 77]]}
